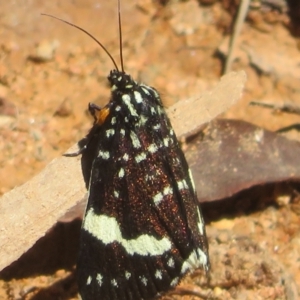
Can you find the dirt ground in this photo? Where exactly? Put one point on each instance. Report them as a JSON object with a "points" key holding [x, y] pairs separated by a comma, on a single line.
{"points": [[49, 72]]}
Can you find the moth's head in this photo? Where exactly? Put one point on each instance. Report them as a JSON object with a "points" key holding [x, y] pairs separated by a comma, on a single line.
{"points": [[120, 81]]}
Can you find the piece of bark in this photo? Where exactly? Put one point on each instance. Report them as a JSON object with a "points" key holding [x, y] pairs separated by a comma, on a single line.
{"points": [[188, 115], [28, 211]]}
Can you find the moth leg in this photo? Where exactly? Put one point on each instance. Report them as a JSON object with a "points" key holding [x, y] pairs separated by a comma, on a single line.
{"points": [[82, 145], [74, 154], [93, 108], [95, 111]]}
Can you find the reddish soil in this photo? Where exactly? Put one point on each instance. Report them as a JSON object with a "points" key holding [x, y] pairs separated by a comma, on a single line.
{"points": [[49, 72]]}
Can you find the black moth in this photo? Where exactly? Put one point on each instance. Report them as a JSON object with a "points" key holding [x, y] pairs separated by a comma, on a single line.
{"points": [[142, 230]]}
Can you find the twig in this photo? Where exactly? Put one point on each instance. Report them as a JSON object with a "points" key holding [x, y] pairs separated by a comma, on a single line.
{"points": [[243, 8], [291, 108]]}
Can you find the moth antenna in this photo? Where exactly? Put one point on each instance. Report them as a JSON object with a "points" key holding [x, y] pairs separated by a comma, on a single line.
{"points": [[120, 35], [90, 35]]}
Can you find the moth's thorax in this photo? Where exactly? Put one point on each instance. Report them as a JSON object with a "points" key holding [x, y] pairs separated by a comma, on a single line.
{"points": [[131, 103]]}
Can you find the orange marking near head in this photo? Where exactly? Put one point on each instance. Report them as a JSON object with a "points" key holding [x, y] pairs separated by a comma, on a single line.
{"points": [[101, 115]]}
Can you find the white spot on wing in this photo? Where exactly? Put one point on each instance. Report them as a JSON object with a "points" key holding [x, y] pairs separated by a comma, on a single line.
{"points": [[156, 127], [116, 194], [152, 148], [171, 263], [126, 157], [155, 93], [174, 282], [166, 141], [192, 179], [126, 99], [168, 191], [145, 90], [200, 223], [152, 90], [138, 97], [118, 108], [114, 282], [195, 260], [127, 275], [107, 230], [143, 120], [113, 120], [89, 280], [144, 280], [122, 131], [159, 196], [182, 185], [121, 173], [158, 274], [99, 278], [135, 140], [104, 154], [160, 111], [140, 157], [110, 132], [153, 110]]}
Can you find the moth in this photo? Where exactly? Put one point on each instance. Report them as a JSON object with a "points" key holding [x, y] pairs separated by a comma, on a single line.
{"points": [[143, 229]]}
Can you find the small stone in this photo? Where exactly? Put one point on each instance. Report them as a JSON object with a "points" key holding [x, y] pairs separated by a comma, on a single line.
{"points": [[283, 200], [6, 121], [45, 51], [64, 109], [223, 224]]}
